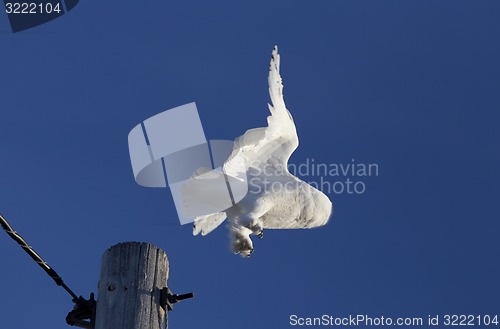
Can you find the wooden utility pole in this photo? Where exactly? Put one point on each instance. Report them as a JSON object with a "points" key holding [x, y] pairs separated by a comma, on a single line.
{"points": [[133, 276], [133, 292]]}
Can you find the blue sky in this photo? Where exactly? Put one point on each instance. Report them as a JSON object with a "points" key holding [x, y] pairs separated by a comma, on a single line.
{"points": [[410, 85]]}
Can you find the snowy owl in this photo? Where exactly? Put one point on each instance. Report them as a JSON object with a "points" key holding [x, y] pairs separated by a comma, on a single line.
{"points": [[276, 199]]}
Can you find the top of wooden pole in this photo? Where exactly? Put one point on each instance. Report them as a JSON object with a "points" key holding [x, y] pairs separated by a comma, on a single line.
{"points": [[132, 277]]}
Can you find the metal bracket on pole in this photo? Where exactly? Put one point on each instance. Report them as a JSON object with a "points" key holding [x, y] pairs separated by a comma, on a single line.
{"points": [[83, 314], [168, 299]]}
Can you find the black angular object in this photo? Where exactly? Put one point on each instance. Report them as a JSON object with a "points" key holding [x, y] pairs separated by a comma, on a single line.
{"points": [[70, 4], [26, 15]]}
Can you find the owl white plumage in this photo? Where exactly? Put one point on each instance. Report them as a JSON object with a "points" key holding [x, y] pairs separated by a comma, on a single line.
{"points": [[276, 199]]}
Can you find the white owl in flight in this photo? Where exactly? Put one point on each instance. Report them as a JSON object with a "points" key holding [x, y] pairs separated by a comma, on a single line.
{"points": [[276, 199]]}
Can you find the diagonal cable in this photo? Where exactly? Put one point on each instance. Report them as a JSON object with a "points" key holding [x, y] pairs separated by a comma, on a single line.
{"points": [[29, 250]]}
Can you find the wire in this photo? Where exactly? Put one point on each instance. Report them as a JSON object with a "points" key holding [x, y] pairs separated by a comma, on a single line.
{"points": [[29, 250]]}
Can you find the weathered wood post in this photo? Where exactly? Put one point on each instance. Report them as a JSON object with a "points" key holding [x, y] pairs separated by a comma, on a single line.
{"points": [[132, 277]]}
